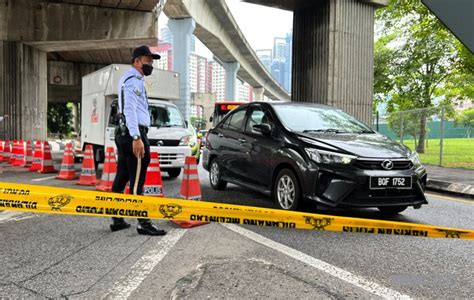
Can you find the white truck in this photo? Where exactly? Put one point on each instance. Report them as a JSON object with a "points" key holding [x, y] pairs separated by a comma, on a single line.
{"points": [[169, 134]]}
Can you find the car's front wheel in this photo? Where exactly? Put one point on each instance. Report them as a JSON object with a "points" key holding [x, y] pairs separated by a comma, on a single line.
{"points": [[392, 210], [286, 190], [215, 174]]}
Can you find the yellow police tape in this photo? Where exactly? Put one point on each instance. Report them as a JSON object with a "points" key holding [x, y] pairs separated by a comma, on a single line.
{"points": [[34, 198]]}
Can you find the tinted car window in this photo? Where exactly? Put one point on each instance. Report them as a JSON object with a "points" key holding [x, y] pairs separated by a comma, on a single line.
{"points": [[310, 118], [257, 116], [236, 120]]}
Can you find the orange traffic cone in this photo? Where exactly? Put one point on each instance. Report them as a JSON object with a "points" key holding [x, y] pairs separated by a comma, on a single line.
{"points": [[153, 185], [2, 143], [109, 171], [13, 152], [190, 189], [67, 171], [88, 175], [27, 158], [36, 165], [20, 155], [46, 160]]}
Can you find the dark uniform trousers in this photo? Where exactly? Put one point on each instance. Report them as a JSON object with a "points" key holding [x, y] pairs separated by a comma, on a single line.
{"points": [[128, 166]]}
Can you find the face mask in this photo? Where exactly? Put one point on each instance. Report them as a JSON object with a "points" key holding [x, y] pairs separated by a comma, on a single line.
{"points": [[147, 69]]}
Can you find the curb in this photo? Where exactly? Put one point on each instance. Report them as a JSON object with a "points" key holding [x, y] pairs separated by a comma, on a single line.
{"points": [[457, 189]]}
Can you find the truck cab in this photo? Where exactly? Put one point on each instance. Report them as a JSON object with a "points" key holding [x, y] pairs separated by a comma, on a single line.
{"points": [[168, 134]]}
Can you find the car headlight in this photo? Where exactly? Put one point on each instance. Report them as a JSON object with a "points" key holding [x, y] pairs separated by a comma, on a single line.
{"points": [[327, 157], [415, 159], [185, 140]]}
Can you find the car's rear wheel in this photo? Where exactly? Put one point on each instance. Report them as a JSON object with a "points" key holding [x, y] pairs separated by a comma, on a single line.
{"points": [[217, 182], [392, 210], [286, 190], [173, 173]]}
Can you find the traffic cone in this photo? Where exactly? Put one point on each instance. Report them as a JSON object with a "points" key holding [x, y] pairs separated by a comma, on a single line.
{"points": [[190, 189], [109, 171], [67, 171], [46, 160], [2, 143], [6, 151], [20, 155], [38, 154], [13, 151], [27, 158], [88, 175], [153, 185]]}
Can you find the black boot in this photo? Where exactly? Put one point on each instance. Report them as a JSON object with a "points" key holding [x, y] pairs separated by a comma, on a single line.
{"points": [[148, 228], [118, 224]]}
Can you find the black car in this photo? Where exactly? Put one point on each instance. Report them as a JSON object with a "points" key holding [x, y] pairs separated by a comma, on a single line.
{"points": [[301, 151]]}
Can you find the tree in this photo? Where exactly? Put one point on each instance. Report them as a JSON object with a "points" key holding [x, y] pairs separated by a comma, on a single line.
{"points": [[421, 60], [466, 119], [59, 119]]}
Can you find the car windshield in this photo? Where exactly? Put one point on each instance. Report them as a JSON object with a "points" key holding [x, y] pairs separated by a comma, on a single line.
{"points": [[165, 116], [319, 119]]}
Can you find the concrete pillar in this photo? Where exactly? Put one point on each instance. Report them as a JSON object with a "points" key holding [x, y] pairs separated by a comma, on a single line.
{"points": [[23, 91], [182, 30], [333, 55], [258, 92], [231, 68]]}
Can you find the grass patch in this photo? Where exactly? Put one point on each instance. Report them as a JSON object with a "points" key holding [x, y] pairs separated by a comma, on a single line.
{"points": [[457, 153]]}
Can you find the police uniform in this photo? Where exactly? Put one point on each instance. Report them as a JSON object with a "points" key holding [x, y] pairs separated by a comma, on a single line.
{"points": [[134, 106]]}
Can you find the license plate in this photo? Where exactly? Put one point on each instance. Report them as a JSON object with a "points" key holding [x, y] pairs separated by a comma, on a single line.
{"points": [[400, 182]]}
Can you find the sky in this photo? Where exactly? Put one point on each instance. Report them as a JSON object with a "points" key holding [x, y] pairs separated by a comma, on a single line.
{"points": [[259, 24]]}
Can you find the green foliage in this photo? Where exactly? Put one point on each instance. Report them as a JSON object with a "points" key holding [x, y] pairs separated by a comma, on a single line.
{"points": [[59, 119], [466, 119], [417, 60]]}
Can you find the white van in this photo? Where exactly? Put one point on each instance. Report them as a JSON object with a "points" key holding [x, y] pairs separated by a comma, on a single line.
{"points": [[169, 134]]}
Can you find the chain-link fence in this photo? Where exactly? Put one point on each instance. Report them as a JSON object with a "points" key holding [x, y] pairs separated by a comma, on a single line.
{"points": [[433, 133]]}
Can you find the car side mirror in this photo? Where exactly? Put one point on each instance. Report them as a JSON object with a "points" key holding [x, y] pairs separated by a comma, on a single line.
{"points": [[263, 128]]}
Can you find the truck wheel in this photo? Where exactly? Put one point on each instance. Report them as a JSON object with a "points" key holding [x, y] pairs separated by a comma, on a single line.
{"points": [[173, 173]]}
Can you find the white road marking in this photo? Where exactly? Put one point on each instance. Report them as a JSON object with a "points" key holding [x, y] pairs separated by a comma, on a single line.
{"points": [[443, 197], [44, 178], [8, 216], [339, 273], [144, 266]]}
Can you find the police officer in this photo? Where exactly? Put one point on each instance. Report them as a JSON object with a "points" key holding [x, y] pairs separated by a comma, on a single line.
{"points": [[131, 137]]}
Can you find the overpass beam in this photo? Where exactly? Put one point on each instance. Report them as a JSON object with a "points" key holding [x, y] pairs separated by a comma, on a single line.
{"points": [[333, 55], [258, 92], [182, 30], [231, 69], [23, 91]]}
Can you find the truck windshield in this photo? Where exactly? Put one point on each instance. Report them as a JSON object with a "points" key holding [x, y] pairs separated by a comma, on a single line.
{"points": [[165, 116]]}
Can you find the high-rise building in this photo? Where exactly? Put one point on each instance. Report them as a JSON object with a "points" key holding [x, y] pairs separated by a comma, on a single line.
{"points": [[165, 35], [197, 73], [265, 56], [218, 80], [281, 61], [165, 50]]}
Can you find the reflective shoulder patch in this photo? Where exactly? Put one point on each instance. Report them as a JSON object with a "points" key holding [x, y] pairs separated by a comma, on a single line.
{"points": [[137, 91]]}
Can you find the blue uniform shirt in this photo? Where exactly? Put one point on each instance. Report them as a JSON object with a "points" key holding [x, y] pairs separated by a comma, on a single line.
{"points": [[136, 102]]}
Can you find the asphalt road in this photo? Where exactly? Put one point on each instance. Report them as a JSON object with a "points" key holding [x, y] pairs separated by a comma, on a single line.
{"points": [[48, 256]]}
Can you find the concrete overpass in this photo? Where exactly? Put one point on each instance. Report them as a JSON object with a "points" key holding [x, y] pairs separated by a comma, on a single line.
{"points": [[213, 24], [332, 48], [47, 45]]}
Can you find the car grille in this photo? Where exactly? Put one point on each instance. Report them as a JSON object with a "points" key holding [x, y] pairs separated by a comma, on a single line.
{"points": [[170, 143], [168, 158], [377, 164], [383, 197]]}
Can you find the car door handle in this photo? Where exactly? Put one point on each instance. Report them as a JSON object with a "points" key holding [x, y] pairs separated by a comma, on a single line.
{"points": [[220, 135], [242, 141]]}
